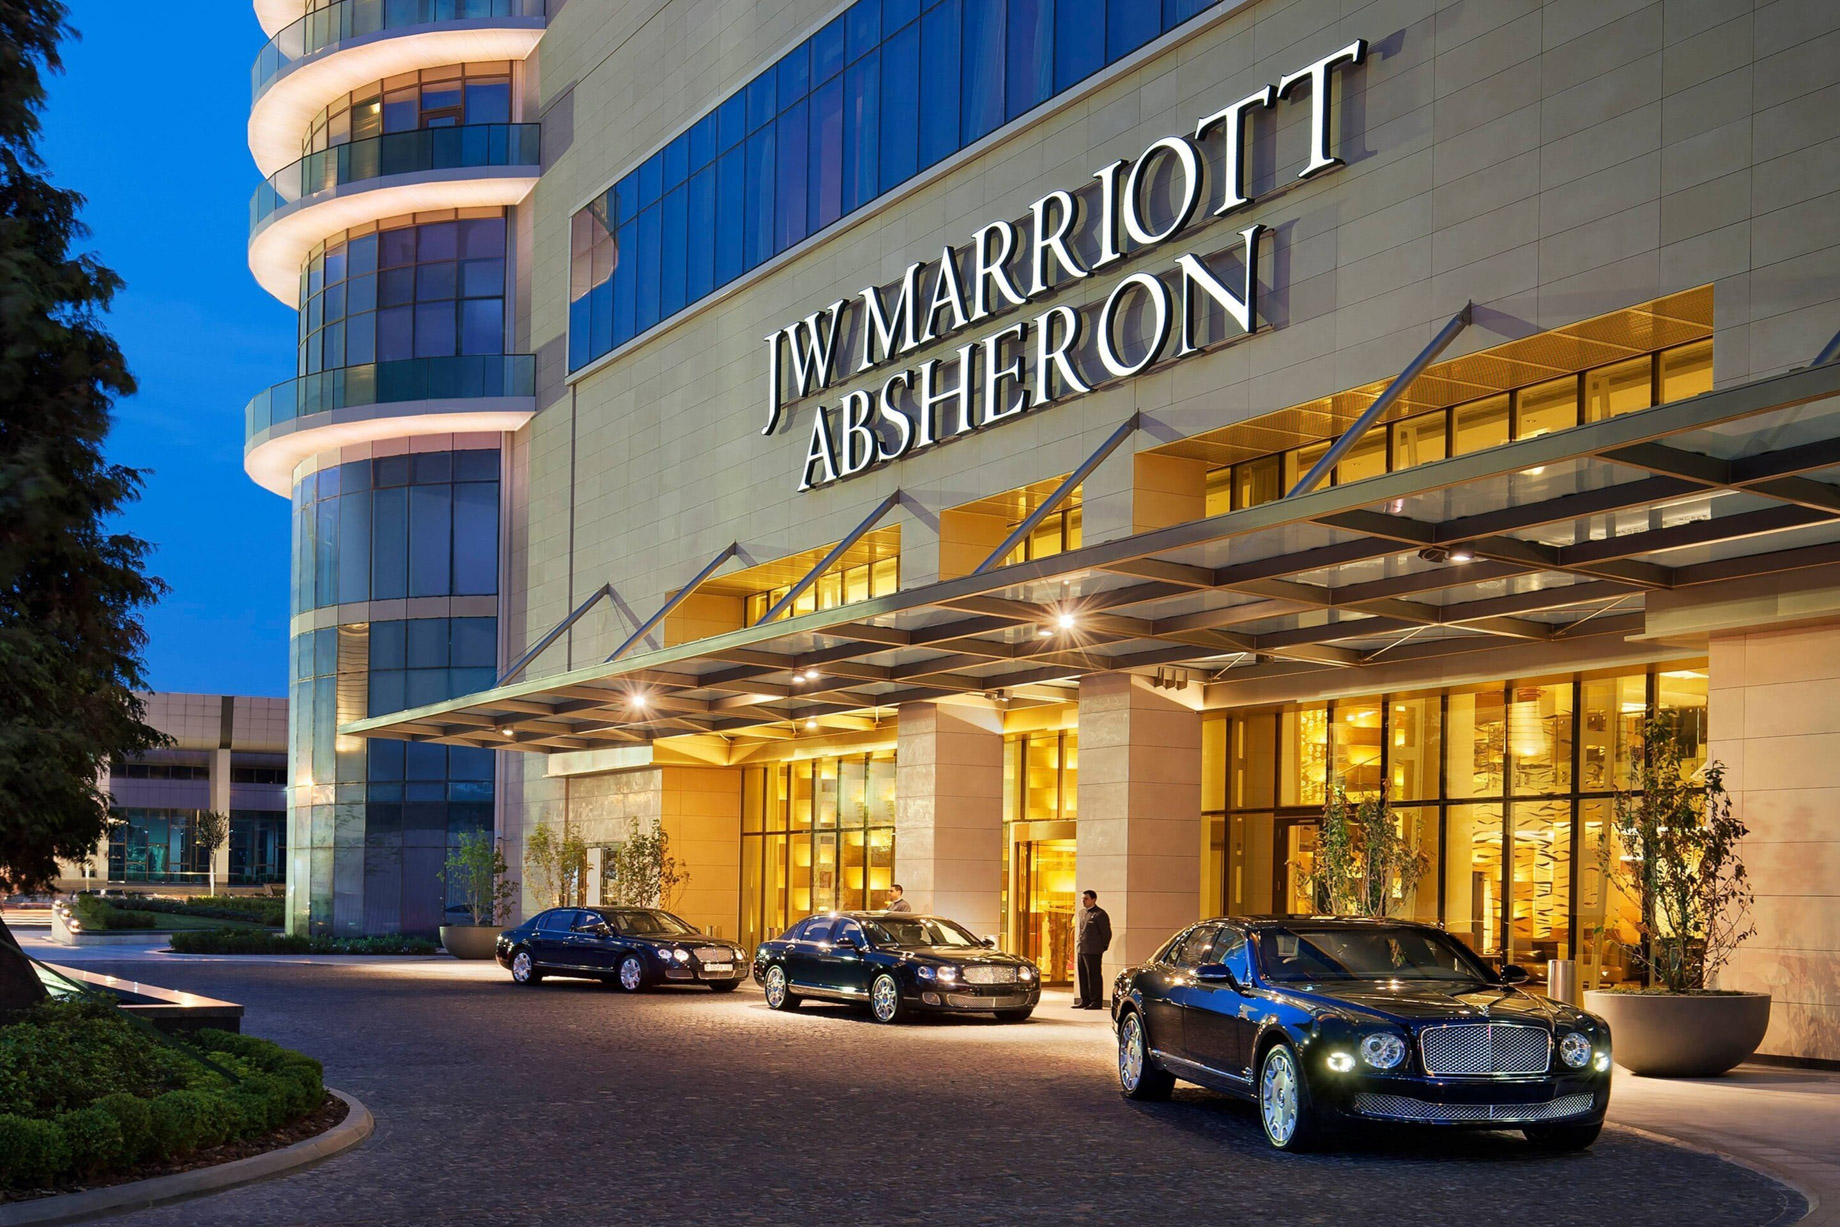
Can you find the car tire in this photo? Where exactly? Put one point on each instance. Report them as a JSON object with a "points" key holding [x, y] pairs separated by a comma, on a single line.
{"points": [[1015, 1016], [724, 986], [524, 969], [885, 1004], [1283, 1100], [1559, 1138], [631, 973], [1139, 1076], [779, 993]]}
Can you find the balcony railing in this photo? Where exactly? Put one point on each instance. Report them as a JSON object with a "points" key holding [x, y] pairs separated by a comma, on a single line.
{"points": [[348, 19], [396, 153], [382, 383]]}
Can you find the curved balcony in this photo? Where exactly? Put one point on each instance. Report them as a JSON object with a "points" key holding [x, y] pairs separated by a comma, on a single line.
{"points": [[351, 43], [381, 176], [383, 400]]}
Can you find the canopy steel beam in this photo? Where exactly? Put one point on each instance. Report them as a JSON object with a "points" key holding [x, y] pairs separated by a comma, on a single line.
{"points": [[1355, 433], [1068, 484], [825, 563], [558, 631], [677, 598]]}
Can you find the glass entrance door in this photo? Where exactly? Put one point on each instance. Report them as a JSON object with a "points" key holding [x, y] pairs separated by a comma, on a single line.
{"points": [[1295, 842], [1043, 896]]}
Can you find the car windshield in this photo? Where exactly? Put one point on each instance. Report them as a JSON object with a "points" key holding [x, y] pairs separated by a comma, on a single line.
{"points": [[1302, 953], [916, 931], [646, 923]]}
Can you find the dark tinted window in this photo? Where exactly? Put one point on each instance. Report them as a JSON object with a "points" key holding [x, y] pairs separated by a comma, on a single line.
{"points": [[845, 930], [587, 921], [555, 922], [817, 929], [647, 922], [1194, 949], [1302, 953], [1230, 948]]}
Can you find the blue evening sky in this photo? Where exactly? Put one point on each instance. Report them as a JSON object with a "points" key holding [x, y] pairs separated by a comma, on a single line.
{"points": [[148, 123]]}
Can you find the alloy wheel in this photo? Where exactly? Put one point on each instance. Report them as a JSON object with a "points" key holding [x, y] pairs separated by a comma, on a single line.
{"points": [[1131, 1053], [632, 975], [776, 987], [885, 998], [521, 967], [1278, 1096]]}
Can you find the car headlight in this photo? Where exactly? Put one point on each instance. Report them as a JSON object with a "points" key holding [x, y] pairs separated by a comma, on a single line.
{"points": [[1026, 974], [924, 972], [948, 973], [681, 955], [1575, 1049], [1383, 1050]]}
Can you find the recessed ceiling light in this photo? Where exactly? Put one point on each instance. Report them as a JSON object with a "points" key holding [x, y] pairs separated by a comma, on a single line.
{"points": [[1065, 621]]}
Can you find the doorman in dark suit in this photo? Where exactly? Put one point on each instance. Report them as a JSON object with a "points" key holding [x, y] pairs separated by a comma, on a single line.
{"points": [[1092, 930]]}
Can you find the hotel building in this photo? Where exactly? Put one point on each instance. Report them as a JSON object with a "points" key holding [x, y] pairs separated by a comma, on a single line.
{"points": [[1011, 447]]}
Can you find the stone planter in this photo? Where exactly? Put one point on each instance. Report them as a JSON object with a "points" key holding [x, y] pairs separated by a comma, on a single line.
{"points": [[1663, 1035], [470, 941]]}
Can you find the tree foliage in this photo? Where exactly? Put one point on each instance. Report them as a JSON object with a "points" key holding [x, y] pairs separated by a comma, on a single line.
{"points": [[211, 831], [476, 867], [556, 866], [1362, 862], [71, 589], [1676, 853], [645, 874]]}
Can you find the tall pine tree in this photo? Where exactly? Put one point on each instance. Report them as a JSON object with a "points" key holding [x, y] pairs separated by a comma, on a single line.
{"points": [[71, 590]]}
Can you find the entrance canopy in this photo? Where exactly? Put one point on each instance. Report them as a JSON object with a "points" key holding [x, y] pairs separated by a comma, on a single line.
{"points": [[1556, 537]]}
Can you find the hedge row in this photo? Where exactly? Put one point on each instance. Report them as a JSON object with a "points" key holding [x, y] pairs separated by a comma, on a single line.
{"points": [[255, 909], [274, 1087], [96, 913], [255, 941]]}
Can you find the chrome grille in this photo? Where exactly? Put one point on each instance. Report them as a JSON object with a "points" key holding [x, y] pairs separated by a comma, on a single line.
{"points": [[1401, 1107], [966, 1001], [715, 954], [1485, 1048], [990, 975]]}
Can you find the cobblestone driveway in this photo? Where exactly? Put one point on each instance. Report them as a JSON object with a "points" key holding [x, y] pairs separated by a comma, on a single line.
{"points": [[574, 1104]]}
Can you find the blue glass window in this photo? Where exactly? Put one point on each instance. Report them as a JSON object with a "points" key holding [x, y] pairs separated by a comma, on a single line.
{"points": [[881, 93]]}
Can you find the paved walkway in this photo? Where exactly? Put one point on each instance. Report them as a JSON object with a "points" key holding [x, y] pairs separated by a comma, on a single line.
{"points": [[1785, 1122]]}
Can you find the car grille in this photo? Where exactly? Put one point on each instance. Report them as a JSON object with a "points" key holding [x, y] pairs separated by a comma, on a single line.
{"points": [[990, 975], [1401, 1107], [1485, 1048], [966, 1001], [715, 954]]}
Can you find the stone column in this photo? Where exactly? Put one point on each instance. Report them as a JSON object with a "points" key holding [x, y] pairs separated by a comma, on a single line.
{"points": [[1140, 806], [948, 824], [220, 802], [1774, 709]]}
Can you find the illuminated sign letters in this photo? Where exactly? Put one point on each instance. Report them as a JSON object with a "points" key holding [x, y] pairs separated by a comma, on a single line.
{"points": [[1036, 360]]}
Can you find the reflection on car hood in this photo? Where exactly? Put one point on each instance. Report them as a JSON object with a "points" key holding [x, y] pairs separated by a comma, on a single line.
{"points": [[969, 955], [1405, 1002]]}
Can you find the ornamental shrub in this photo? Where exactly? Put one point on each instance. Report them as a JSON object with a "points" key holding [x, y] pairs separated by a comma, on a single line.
{"points": [[134, 1118], [256, 941], [178, 1119], [32, 1151], [69, 1054], [98, 913], [92, 1140]]}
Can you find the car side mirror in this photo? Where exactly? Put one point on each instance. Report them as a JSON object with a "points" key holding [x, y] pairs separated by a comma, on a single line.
{"points": [[852, 942], [1218, 973], [989, 942], [1513, 973]]}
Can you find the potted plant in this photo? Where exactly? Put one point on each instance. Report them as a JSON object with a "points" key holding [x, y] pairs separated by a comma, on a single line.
{"points": [[477, 868], [1362, 863], [1675, 853]]}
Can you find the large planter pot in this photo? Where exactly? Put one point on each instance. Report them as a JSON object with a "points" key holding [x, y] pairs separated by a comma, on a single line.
{"points": [[470, 941], [1666, 1035]]}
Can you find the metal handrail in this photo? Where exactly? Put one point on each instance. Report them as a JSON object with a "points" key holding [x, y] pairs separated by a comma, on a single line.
{"points": [[348, 19]]}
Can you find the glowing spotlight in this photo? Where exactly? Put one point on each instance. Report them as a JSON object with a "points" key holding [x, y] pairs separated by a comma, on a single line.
{"points": [[811, 725], [1461, 555], [1065, 621], [1045, 633], [504, 732], [638, 699]]}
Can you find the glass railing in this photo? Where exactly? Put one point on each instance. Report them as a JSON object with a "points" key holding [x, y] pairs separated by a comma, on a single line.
{"points": [[348, 19], [383, 383], [396, 153]]}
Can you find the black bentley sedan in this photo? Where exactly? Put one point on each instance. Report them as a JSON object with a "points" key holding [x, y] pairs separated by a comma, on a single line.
{"points": [[1332, 1022], [633, 947], [896, 963]]}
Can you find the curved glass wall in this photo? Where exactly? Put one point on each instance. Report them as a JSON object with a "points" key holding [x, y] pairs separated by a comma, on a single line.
{"points": [[371, 822], [399, 153], [417, 525], [330, 24], [449, 97], [426, 285], [835, 124], [384, 383]]}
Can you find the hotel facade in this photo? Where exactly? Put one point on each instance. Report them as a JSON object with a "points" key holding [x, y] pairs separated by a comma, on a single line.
{"points": [[1013, 447]]}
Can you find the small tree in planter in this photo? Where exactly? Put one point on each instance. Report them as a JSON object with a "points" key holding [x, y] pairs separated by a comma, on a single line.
{"points": [[645, 874], [476, 867], [557, 864], [1676, 853], [1362, 862], [211, 831]]}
